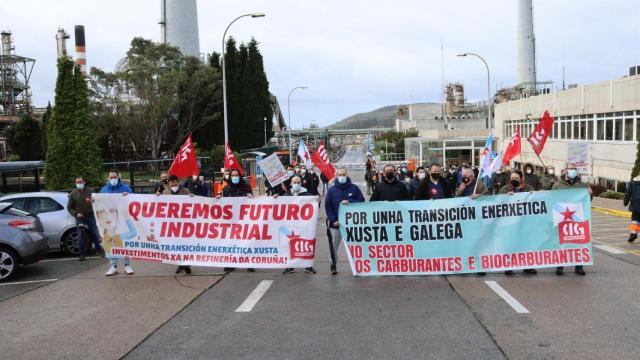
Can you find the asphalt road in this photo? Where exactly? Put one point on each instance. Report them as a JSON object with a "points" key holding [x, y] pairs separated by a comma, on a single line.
{"points": [[157, 315]]}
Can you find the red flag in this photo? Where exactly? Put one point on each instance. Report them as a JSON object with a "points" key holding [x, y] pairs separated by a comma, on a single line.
{"points": [[513, 149], [321, 160], [539, 136], [185, 163], [230, 161]]}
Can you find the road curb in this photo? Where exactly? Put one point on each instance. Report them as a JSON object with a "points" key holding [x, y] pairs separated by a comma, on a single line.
{"points": [[618, 213]]}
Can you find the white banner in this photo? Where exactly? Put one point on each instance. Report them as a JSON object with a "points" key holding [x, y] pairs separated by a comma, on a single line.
{"points": [[260, 232], [273, 169], [578, 152]]}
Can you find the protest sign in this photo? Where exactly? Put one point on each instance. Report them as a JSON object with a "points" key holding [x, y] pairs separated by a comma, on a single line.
{"points": [[229, 232], [461, 235], [578, 152], [273, 169]]}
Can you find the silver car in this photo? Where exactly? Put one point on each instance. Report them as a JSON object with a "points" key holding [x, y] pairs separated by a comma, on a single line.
{"points": [[22, 241], [51, 208]]}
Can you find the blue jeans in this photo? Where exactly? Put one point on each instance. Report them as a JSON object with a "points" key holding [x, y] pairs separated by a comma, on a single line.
{"points": [[90, 222]]}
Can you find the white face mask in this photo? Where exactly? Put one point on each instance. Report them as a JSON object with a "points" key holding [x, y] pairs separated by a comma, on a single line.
{"points": [[421, 176], [551, 171], [113, 182], [80, 186], [175, 188], [528, 171], [303, 171]]}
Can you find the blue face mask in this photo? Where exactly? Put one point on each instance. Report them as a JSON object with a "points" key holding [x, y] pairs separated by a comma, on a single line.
{"points": [[296, 187], [291, 173], [342, 179], [113, 182], [572, 173], [235, 180]]}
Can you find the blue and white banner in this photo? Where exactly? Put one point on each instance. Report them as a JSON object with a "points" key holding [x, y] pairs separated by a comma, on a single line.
{"points": [[460, 235]]}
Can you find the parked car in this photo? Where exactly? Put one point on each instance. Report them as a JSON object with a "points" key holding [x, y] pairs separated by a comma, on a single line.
{"points": [[22, 240], [51, 208]]}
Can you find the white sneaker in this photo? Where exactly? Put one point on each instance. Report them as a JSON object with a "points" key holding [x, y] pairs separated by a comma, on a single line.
{"points": [[112, 271], [128, 269]]}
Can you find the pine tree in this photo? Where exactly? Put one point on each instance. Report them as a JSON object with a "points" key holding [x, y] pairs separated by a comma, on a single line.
{"points": [[260, 98], [58, 171], [43, 128], [86, 153], [233, 74], [24, 138]]}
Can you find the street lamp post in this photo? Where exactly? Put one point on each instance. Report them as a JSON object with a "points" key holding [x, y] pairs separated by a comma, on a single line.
{"points": [[224, 77], [489, 121], [289, 116]]}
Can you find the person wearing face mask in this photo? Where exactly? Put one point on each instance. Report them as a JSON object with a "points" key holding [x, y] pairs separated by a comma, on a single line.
{"points": [[434, 187], [420, 175], [194, 185], [451, 177], [531, 178], [517, 185], [342, 192], [498, 180], [236, 187], [570, 180], [160, 185], [468, 183], [390, 189], [80, 206], [307, 181], [115, 185], [174, 188], [549, 178], [286, 185], [297, 189]]}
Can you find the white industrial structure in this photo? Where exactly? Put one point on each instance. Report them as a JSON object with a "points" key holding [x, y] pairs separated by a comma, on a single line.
{"points": [[179, 25], [526, 46]]}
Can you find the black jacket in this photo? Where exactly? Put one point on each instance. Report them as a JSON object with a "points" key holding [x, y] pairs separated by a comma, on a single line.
{"points": [[632, 196], [384, 191], [239, 190], [423, 193]]}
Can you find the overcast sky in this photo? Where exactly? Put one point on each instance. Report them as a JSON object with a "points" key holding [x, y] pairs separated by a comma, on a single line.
{"points": [[354, 55]]}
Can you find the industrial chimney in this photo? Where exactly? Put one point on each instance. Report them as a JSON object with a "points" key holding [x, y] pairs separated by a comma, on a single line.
{"points": [[61, 41], [179, 25], [526, 46], [81, 56]]}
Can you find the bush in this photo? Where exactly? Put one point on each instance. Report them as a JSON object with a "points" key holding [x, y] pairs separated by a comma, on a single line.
{"points": [[612, 195], [598, 189]]}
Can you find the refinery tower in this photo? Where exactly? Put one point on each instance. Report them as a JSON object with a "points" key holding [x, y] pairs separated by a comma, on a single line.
{"points": [[179, 25]]}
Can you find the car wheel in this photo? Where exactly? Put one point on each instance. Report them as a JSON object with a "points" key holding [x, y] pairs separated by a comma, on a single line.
{"points": [[8, 263], [70, 243]]}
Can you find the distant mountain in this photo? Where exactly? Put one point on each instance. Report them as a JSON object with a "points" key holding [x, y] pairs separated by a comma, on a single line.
{"points": [[384, 117]]}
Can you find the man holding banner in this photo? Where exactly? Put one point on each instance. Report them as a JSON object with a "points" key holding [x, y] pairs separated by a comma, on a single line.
{"points": [[571, 180], [342, 193]]}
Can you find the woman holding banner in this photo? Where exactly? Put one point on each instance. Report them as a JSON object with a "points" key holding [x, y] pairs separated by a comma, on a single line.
{"points": [[298, 190], [236, 187]]}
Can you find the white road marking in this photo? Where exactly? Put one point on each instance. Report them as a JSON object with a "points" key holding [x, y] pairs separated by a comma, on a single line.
{"points": [[255, 296], [69, 259], [27, 282], [610, 249], [515, 304]]}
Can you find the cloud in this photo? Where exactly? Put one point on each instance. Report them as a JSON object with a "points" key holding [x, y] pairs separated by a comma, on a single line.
{"points": [[354, 55]]}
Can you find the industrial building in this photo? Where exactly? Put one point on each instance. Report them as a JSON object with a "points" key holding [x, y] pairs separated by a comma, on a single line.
{"points": [[597, 123]]}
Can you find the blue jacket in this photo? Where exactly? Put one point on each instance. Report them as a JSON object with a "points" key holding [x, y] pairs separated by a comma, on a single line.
{"points": [[120, 188], [336, 194]]}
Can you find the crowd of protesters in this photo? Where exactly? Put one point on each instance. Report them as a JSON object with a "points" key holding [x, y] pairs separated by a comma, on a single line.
{"points": [[386, 183]]}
